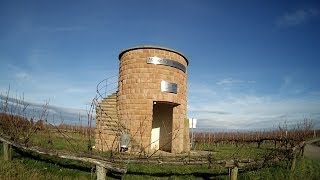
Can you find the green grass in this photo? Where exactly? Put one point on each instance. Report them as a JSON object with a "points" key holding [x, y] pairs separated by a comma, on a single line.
{"points": [[32, 166], [231, 151], [182, 171], [317, 143], [23, 167], [306, 168], [72, 142]]}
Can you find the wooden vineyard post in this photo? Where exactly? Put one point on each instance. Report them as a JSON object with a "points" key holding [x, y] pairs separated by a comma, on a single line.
{"points": [[234, 173], [293, 165], [7, 151], [101, 172], [302, 150]]}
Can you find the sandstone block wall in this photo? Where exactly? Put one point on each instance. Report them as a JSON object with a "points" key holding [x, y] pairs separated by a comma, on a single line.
{"points": [[108, 128], [139, 89]]}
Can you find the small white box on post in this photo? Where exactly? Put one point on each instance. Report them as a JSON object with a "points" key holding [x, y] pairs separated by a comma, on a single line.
{"points": [[192, 124]]}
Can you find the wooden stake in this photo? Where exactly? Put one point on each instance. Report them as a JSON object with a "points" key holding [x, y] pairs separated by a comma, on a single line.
{"points": [[302, 150], [234, 173], [7, 151], [293, 165], [101, 173]]}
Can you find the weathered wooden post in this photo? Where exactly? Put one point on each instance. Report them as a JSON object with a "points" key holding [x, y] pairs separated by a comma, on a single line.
{"points": [[302, 150], [7, 151], [234, 173], [101, 172], [293, 165], [232, 169]]}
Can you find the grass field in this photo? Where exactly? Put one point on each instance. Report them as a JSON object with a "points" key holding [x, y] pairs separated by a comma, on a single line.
{"points": [[306, 168], [28, 166], [32, 166], [231, 151], [317, 143], [73, 142]]}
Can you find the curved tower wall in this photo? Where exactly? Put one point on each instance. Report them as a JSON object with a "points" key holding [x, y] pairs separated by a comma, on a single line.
{"points": [[152, 98]]}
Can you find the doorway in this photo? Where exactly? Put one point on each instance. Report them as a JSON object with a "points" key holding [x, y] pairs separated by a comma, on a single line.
{"points": [[161, 133]]}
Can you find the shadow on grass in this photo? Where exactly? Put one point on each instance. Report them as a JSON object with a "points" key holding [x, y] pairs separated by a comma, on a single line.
{"points": [[87, 167], [195, 174], [69, 164]]}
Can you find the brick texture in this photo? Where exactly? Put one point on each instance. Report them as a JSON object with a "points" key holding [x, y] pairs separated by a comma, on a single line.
{"points": [[139, 88]]}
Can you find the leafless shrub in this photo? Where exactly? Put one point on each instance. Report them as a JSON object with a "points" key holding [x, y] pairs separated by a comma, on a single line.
{"points": [[17, 121]]}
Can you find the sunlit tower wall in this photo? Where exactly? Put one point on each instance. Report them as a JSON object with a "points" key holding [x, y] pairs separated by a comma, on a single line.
{"points": [[152, 98]]}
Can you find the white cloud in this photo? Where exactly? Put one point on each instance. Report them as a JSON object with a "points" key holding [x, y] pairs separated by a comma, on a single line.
{"points": [[228, 81], [197, 88], [37, 57], [39, 110], [235, 110], [32, 79], [251, 115], [23, 76], [297, 17], [291, 86], [18, 74]]}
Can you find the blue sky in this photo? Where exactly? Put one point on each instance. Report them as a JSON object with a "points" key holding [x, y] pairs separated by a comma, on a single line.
{"points": [[253, 64]]}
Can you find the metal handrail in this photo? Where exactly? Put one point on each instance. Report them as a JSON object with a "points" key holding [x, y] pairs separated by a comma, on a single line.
{"points": [[103, 87]]}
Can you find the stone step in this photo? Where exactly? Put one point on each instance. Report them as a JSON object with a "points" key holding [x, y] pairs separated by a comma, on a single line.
{"points": [[114, 129], [107, 115], [103, 112], [112, 96], [108, 111], [110, 127], [108, 119], [114, 104], [109, 124], [108, 107], [109, 101]]}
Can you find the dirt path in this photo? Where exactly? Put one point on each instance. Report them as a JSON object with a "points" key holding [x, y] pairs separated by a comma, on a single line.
{"points": [[311, 150]]}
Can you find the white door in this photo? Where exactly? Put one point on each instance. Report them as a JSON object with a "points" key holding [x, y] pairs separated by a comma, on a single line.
{"points": [[155, 135]]}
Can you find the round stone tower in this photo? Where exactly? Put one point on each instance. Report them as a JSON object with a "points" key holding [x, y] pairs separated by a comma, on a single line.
{"points": [[152, 98]]}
